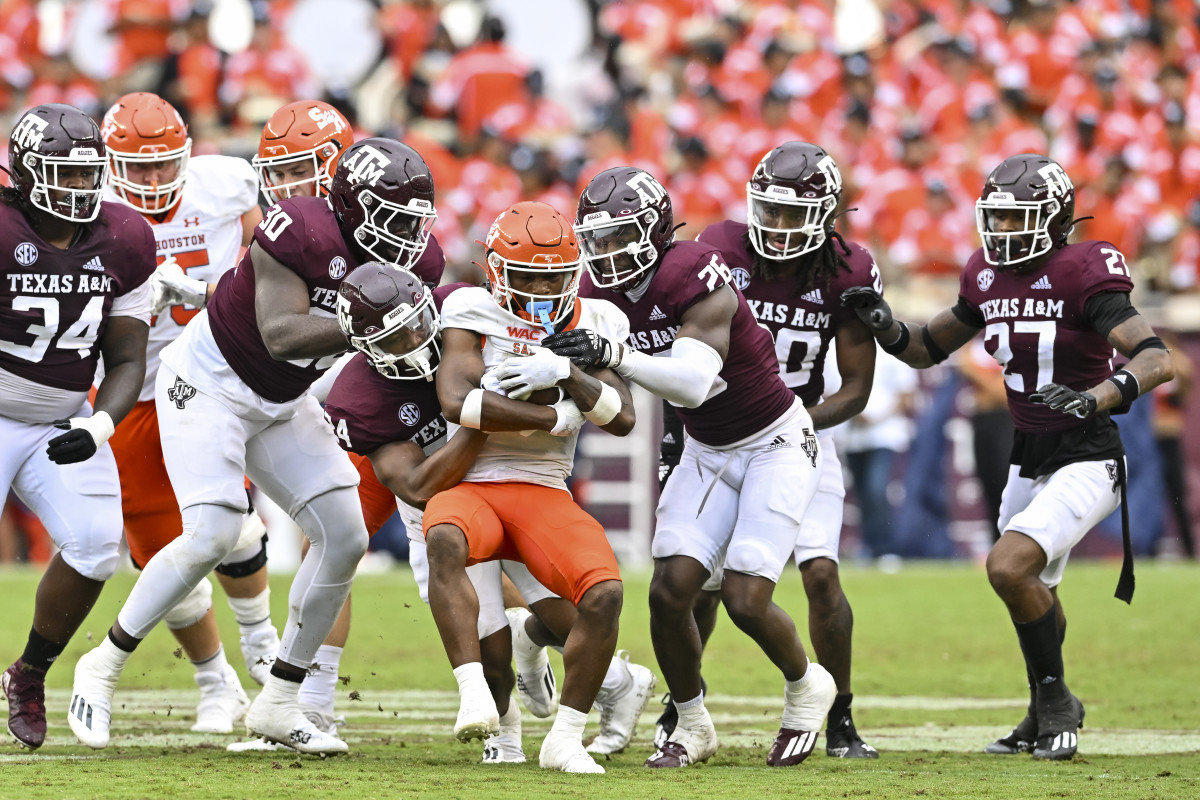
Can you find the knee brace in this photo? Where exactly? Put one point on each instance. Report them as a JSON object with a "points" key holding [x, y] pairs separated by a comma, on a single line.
{"points": [[251, 553], [192, 608]]}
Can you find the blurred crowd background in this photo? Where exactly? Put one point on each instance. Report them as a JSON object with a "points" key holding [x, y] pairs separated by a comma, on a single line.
{"points": [[916, 99]]}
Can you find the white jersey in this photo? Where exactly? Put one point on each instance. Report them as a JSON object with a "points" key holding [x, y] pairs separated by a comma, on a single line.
{"points": [[528, 456], [204, 234]]}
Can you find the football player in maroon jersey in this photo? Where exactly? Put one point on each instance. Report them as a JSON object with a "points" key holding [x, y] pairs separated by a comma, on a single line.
{"points": [[74, 286], [791, 266], [1051, 314], [749, 468]]}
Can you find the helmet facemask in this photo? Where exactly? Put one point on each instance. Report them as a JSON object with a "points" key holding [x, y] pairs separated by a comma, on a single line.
{"points": [[391, 232], [408, 347], [316, 178], [152, 197], [617, 251], [52, 175], [783, 226], [1030, 240], [549, 309]]}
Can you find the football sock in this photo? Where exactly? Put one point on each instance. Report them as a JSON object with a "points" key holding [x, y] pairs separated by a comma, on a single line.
{"points": [[317, 690], [1042, 648], [793, 701], [252, 613], [510, 720], [40, 652], [214, 663], [840, 708], [112, 655], [468, 674], [568, 722]]}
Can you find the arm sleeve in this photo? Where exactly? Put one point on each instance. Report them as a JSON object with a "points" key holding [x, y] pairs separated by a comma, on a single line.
{"points": [[1107, 310], [134, 303], [684, 378], [966, 314]]}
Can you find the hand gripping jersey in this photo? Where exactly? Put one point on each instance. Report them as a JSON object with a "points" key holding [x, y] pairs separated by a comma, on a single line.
{"points": [[1035, 327], [748, 394], [526, 456], [368, 410], [203, 233], [802, 324], [55, 304], [303, 235]]}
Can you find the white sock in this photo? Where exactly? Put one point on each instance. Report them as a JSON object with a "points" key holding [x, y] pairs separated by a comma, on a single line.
{"points": [[615, 677], [214, 663], [510, 720], [252, 613], [470, 676], [793, 696], [318, 687], [279, 690], [568, 722], [112, 656], [693, 714]]}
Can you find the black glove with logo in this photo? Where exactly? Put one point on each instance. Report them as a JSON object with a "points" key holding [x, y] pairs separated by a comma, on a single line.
{"points": [[870, 306], [1068, 401], [585, 348]]}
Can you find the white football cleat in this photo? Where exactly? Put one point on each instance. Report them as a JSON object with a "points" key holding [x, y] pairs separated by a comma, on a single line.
{"points": [[566, 754], [324, 722], [223, 702], [258, 649], [536, 685], [275, 715], [255, 745], [620, 708], [477, 714], [90, 712], [503, 748]]}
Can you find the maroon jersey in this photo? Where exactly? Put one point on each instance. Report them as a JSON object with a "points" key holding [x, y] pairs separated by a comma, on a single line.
{"points": [[1035, 326], [302, 234], [748, 395], [54, 304], [368, 410], [802, 323]]}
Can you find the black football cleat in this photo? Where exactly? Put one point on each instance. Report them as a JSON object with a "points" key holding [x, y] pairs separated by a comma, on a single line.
{"points": [[1021, 740], [669, 718], [1058, 730], [842, 741], [25, 689]]}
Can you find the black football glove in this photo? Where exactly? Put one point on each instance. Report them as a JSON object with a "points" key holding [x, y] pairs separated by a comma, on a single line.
{"points": [[870, 306], [71, 447], [585, 348], [1068, 401]]}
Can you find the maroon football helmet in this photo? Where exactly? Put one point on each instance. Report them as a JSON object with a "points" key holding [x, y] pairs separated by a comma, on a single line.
{"points": [[1025, 210], [791, 197], [624, 224], [388, 313], [58, 161], [382, 195]]}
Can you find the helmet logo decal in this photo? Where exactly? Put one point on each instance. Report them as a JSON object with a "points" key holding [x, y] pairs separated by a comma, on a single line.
{"points": [[25, 254], [648, 189], [30, 131], [325, 117], [337, 267], [410, 415], [833, 176], [985, 279], [366, 165], [1058, 183]]}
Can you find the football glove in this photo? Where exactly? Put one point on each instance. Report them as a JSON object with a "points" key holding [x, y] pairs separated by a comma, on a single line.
{"points": [[83, 437], [520, 376], [1068, 401], [585, 348], [570, 418], [870, 306], [169, 286]]}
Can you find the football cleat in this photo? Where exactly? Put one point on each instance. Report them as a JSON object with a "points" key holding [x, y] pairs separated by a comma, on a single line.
{"points": [[664, 726], [324, 722], [1058, 729], [791, 747], [1021, 740], [842, 741], [25, 688], [477, 714], [503, 748], [536, 685], [276, 716], [90, 712], [223, 702], [566, 754], [258, 649], [620, 708], [686, 747]]}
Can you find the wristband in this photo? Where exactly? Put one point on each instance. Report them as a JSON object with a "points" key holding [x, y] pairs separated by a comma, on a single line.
{"points": [[608, 405], [901, 344], [99, 425], [472, 409], [1128, 385]]}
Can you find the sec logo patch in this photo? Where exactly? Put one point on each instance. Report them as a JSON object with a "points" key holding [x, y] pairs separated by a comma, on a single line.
{"points": [[410, 415], [337, 267], [986, 279], [741, 278], [25, 254]]}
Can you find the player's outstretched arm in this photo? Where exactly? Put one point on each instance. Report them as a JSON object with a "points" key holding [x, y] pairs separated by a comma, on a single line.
{"points": [[856, 365], [464, 402], [918, 347], [403, 468], [281, 305]]}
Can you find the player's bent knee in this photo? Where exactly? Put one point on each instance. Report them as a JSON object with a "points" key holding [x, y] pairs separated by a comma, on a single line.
{"points": [[192, 608], [603, 600], [97, 562], [446, 545], [245, 562], [821, 582]]}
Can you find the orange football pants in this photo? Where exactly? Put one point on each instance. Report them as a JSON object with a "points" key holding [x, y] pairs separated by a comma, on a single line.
{"points": [[543, 528], [152, 518], [378, 502]]}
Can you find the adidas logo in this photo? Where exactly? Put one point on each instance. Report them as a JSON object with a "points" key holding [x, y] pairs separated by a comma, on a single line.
{"points": [[668, 438], [1042, 283], [779, 442], [813, 297], [94, 265], [656, 313]]}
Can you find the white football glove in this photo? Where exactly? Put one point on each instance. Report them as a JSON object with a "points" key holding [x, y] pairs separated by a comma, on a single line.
{"points": [[570, 418], [169, 286], [490, 383], [520, 376]]}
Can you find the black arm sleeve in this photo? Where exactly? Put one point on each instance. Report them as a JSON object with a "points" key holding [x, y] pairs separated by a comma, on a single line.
{"points": [[1107, 310], [967, 315], [671, 447]]}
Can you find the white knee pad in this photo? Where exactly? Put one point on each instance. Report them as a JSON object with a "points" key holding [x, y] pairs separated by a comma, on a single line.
{"points": [[192, 608]]}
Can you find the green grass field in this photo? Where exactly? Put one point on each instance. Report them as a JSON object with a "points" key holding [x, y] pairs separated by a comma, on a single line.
{"points": [[937, 676]]}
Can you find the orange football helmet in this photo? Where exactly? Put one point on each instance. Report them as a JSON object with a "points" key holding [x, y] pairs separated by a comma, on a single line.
{"points": [[299, 146], [148, 151], [533, 263]]}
